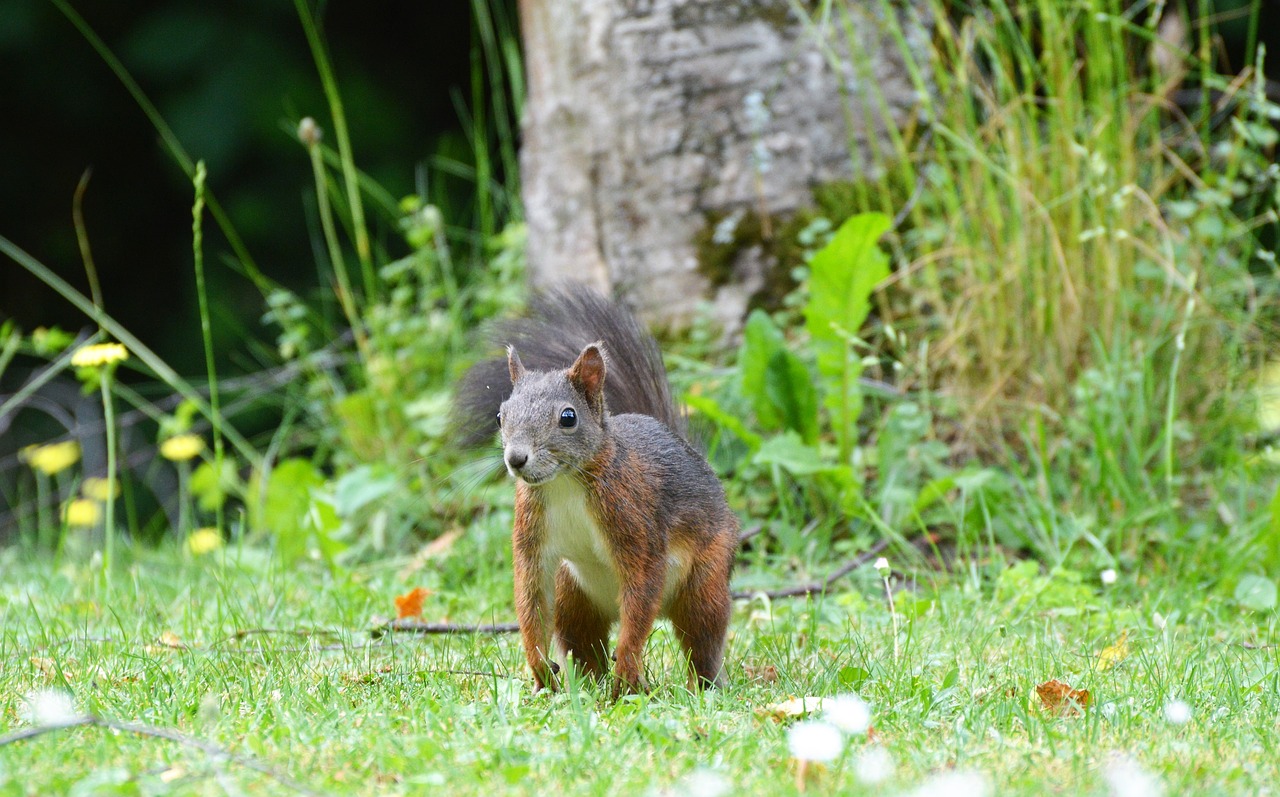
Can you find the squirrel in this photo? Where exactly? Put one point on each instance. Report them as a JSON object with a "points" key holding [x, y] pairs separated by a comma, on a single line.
{"points": [[617, 517]]}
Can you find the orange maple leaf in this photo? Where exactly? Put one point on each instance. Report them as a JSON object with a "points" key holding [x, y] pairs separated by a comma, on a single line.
{"points": [[1059, 698], [410, 603]]}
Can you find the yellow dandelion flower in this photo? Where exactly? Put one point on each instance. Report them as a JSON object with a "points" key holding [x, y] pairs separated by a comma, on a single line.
{"points": [[182, 447], [98, 488], [82, 513], [99, 354], [53, 457], [204, 541]]}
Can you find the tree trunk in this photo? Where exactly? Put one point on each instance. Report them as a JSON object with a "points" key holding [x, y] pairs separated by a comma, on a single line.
{"points": [[654, 125]]}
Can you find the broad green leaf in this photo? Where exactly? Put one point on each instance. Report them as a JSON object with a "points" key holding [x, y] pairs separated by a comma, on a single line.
{"points": [[775, 381], [294, 511], [761, 339], [324, 526], [852, 678], [790, 453], [285, 505], [951, 678], [1257, 593], [360, 487], [789, 388], [360, 424], [933, 492], [843, 275], [211, 491]]}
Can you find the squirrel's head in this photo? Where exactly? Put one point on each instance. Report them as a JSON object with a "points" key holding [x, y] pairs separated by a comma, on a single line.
{"points": [[554, 421]]}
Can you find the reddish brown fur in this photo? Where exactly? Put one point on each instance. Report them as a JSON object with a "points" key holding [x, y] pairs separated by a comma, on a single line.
{"points": [[656, 506], [623, 500], [533, 608], [583, 630]]}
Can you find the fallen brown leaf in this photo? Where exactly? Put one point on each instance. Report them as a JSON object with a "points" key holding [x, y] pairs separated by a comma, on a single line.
{"points": [[764, 673], [410, 603], [1059, 698]]}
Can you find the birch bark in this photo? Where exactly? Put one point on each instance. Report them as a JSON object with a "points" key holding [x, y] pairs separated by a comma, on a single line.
{"points": [[647, 118]]}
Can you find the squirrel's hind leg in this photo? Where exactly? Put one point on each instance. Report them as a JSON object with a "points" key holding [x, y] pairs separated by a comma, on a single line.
{"points": [[700, 617], [582, 630]]}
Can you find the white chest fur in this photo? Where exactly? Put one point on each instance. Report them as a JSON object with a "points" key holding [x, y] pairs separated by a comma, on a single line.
{"points": [[575, 538]]}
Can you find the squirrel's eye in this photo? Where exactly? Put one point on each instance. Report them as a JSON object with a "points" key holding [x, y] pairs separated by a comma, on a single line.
{"points": [[499, 417], [568, 418]]}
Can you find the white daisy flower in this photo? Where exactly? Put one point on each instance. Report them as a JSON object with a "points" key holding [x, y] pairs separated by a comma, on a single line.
{"points": [[1177, 712], [849, 713], [873, 765], [813, 740], [48, 707]]}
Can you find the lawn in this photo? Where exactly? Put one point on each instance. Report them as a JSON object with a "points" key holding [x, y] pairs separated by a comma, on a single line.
{"points": [[278, 668]]}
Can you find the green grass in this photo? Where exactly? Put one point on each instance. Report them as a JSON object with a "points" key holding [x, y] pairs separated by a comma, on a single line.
{"points": [[317, 699]]}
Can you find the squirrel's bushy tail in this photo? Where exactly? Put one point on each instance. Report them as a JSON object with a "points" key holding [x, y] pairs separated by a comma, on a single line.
{"points": [[560, 322]]}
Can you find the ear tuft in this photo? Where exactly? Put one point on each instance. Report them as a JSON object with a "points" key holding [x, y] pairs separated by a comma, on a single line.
{"points": [[587, 375], [514, 365]]}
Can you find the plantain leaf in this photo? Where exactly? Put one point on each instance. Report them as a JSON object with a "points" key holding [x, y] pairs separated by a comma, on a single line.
{"points": [[776, 381], [843, 275]]}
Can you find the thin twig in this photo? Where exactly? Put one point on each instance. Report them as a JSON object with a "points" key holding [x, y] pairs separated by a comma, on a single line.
{"points": [[338, 646], [750, 531], [302, 632], [817, 586], [418, 627], [72, 640], [217, 647], [209, 748]]}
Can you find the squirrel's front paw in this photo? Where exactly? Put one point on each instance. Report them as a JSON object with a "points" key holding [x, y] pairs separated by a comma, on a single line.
{"points": [[628, 684], [547, 677]]}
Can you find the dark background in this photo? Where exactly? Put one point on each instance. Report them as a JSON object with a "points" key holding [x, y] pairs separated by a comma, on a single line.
{"points": [[231, 78]]}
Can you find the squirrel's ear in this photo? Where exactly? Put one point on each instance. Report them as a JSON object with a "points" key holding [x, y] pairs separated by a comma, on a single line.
{"points": [[587, 375], [514, 365]]}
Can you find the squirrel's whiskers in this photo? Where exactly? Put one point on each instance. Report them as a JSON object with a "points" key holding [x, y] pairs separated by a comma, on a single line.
{"points": [[476, 472]]}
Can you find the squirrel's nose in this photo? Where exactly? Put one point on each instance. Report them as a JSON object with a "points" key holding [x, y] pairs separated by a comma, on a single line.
{"points": [[517, 459]]}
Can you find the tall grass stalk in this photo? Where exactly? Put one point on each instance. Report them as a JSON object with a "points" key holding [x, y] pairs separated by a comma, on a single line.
{"points": [[82, 238], [349, 173], [496, 102], [43, 520], [107, 374], [496, 71], [309, 134], [206, 335], [1170, 415]]}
